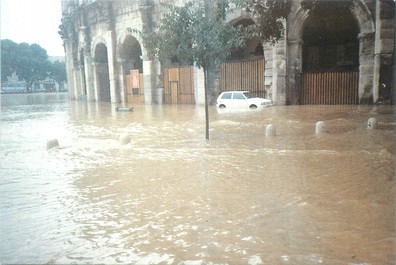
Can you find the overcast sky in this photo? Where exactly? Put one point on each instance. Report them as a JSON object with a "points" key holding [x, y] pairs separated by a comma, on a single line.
{"points": [[32, 21]]}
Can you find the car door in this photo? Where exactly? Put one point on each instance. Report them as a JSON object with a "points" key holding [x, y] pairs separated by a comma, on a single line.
{"points": [[239, 100], [225, 99]]}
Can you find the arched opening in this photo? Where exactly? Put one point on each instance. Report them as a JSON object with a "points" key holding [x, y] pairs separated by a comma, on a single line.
{"points": [[102, 73], [131, 52], [330, 57], [132, 66], [331, 39]]}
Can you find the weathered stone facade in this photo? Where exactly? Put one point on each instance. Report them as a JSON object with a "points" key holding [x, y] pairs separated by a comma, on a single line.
{"points": [[101, 46]]}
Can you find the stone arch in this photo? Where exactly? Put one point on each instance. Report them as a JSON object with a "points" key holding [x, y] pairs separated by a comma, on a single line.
{"points": [[359, 10], [130, 57], [123, 36], [94, 45], [130, 53], [296, 24]]}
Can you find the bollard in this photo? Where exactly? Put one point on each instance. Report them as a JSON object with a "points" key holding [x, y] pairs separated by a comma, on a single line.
{"points": [[270, 130], [124, 139], [52, 143], [319, 127], [372, 124]]}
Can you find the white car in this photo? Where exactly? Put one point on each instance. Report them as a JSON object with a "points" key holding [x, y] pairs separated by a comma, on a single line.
{"points": [[241, 100]]}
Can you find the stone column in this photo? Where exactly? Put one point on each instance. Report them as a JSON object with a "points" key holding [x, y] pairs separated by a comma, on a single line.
{"points": [[199, 86], [82, 83], [384, 47], [121, 80], [150, 75], [377, 52], [275, 72], [95, 81], [89, 83], [268, 73], [149, 80], [366, 68], [69, 67], [279, 73], [294, 69], [76, 82], [115, 97]]}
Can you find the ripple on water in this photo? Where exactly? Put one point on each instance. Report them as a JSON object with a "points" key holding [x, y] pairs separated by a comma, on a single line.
{"points": [[171, 197]]}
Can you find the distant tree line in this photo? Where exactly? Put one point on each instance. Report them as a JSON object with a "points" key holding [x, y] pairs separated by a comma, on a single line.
{"points": [[29, 62]]}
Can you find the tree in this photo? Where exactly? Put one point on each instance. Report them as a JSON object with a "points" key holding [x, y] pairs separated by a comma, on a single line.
{"points": [[58, 73], [29, 62], [32, 63], [195, 33], [8, 55]]}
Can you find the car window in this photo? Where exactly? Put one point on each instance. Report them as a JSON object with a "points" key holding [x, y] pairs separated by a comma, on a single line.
{"points": [[226, 96], [238, 96], [248, 95]]}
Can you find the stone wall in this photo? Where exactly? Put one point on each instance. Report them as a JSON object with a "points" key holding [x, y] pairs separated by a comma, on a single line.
{"points": [[89, 24]]}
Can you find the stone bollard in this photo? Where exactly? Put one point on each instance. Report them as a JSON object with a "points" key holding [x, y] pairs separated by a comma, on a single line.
{"points": [[319, 127], [270, 130], [372, 124], [124, 139], [52, 143]]}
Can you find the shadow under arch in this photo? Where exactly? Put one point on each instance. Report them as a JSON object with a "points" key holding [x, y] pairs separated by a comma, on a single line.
{"points": [[101, 71], [254, 47]]}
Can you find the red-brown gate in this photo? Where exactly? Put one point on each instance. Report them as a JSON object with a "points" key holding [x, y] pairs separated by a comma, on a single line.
{"points": [[329, 88], [243, 75], [179, 85]]}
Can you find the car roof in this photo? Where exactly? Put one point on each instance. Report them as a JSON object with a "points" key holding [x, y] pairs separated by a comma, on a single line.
{"points": [[240, 91]]}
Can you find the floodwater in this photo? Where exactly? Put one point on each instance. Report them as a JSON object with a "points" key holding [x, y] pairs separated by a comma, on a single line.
{"points": [[172, 197]]}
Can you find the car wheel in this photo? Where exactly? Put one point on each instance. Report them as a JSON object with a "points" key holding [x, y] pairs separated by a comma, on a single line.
{"points": [[222, 106], [253, 106]]}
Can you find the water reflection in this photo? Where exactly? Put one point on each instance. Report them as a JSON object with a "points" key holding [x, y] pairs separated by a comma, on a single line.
{"points": [[171, 197]]}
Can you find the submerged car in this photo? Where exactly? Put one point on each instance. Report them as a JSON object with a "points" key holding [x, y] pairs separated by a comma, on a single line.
{"points": [[241, 100]]}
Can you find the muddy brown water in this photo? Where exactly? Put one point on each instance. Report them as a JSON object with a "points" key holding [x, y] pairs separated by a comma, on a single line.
{"points": [[172, 197]]}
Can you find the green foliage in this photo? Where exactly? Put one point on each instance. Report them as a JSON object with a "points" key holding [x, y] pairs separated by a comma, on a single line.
{"points": [[268, 16], [190, 34], [32, 63], [58, 72], [29, 62], [8, 55]]}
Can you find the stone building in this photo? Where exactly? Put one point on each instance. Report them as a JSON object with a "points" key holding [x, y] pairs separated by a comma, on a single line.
{"points": [[346, 57]]}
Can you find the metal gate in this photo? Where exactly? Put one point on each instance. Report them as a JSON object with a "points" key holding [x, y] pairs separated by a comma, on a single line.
{"points": [[329, 88], [179, 85], [243, 75]]}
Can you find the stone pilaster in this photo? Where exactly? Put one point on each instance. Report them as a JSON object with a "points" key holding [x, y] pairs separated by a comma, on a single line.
{"points": [[95, 81], [366, 68], [121, 81], [69, 67], [294, 69], [384, 47], [89, 83]]}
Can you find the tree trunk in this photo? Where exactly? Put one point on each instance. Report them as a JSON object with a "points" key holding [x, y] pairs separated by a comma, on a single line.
{"points": [[206, 103]]}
